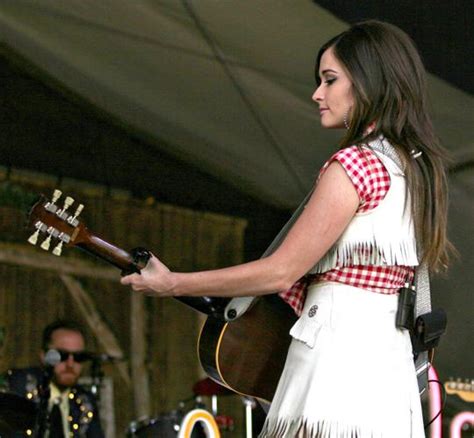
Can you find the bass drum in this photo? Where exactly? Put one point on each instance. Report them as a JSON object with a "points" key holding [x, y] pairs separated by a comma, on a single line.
{"points": [[163, 426], [199, 423]]}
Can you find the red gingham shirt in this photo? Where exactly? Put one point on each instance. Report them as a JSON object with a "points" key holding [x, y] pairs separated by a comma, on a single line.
{"points": [[371, 181]]}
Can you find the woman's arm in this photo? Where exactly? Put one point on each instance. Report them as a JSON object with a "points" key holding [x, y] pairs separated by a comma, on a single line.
{"points": [[328, 212]]}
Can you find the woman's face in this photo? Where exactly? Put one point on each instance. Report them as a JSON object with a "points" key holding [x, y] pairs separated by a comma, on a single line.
{"points": [[334, 95]]}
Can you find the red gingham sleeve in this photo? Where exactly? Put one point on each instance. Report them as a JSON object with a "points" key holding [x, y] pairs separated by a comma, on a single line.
{"points": [[368, 174]]}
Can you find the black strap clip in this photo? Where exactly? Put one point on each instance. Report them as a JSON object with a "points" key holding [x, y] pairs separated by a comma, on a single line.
{"points": [[428, 330], [406, 309]]}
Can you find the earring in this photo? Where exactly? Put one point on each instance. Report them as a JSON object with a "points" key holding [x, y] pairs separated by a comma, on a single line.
{"points": [[346, 121]]}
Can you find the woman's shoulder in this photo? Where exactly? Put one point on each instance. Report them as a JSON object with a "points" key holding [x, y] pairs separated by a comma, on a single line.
{"points": [[366, 172], [354, 157]]}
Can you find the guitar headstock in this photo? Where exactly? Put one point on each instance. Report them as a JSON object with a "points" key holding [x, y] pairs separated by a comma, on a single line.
{"points": [[56, 223], [463, 389]]}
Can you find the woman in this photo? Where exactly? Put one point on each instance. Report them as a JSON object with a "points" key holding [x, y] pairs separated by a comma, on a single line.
{"points": [[377, 211]]}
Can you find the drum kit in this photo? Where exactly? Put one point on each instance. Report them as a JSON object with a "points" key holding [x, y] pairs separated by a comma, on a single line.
{"points": [[191, 419]]}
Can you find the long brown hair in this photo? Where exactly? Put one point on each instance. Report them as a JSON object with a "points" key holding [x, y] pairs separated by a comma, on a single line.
{"points": [[389, 89]]}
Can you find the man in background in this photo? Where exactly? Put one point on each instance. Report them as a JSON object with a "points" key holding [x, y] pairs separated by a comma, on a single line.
{"points": [[72, 410]]}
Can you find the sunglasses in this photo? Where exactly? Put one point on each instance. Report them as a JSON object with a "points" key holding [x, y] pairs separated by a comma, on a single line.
{"points": [[78, 356]]}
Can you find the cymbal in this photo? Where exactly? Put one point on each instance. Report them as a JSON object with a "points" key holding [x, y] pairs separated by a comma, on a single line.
{"points": [[16, 413], [208, 387]]}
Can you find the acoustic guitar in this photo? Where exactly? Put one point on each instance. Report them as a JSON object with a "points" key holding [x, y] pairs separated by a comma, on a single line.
{"points": [[246, 355]]}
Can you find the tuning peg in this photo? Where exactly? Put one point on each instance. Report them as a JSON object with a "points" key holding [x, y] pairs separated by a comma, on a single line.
{"points": [[78, 210], [56, 195], [58, 249], [34, 238], [73, 219], [46, 244], [68, 202]]}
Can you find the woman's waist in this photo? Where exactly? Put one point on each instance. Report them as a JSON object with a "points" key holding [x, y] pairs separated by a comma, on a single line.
{"points": [[349, 300], [386, 280], [381, 279]]}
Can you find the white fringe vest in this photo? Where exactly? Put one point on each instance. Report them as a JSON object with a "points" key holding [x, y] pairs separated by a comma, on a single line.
{"points": [[383, 236]]}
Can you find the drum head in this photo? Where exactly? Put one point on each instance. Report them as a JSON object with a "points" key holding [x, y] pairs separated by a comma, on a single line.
{"points": [[163, 426]]}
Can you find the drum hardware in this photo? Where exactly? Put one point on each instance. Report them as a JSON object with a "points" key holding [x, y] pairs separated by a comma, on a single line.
{"points": [[224, 422], [97, 375], [198, 402], [97, 360], [17, 414], [166, 425], [249, 404], [207, 387], [214, 404], [191, 419]]}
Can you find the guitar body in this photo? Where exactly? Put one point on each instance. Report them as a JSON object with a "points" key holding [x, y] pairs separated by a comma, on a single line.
{"points": [[247, 355]]}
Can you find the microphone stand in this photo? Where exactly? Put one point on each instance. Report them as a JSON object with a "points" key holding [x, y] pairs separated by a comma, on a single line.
{"points": [[97, 375], [44, 392], [51, 358]]}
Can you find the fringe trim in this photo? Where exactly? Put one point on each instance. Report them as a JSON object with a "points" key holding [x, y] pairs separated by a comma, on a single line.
{"points": [[368, 253], [302, 428]]}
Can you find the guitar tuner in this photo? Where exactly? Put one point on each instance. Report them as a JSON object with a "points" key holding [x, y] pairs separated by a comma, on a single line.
{"points": [[33, 239], [53, 232], [46, 243], [62, 212], [40, 227], [64, 237], [68, 202], [51, 206], [72, 220], [58, 249], [56, 195]]}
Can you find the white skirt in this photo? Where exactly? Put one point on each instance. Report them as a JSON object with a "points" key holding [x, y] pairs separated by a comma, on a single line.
{"points": [[349, 372]]}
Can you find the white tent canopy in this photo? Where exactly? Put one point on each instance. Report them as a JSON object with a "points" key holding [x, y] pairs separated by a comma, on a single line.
{"points": [[225, 84]]}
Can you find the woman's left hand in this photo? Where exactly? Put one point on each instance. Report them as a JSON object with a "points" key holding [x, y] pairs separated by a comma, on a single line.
{"points": [[154, 279]]}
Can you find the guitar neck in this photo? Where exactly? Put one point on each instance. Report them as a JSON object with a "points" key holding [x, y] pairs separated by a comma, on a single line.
{"points": [[110, 253], [212, 306]]}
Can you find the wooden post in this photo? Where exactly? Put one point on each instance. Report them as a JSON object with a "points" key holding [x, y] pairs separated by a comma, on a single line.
{"points": [[139, 370], [102, 332]]}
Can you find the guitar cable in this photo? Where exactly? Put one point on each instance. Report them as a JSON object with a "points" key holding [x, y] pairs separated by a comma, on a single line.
{"points": [[443, 397]]}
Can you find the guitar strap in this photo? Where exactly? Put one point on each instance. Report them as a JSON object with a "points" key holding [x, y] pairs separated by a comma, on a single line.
{"points": [[239, 305], [422, 306], [284, 231], [422, 280]]}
